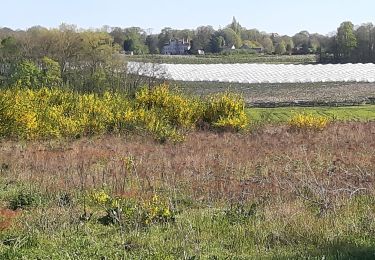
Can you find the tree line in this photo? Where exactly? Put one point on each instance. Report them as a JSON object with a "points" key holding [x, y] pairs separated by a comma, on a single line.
{"points": [[85, 60], [89, 59], [348, 44]]}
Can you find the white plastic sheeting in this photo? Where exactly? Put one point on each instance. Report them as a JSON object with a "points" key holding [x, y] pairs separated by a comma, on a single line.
{"points": [[258, 73]]}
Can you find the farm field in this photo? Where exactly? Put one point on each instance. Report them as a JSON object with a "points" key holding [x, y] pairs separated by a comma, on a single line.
{"points": [[226, 59], [268, 95], [258, 73]]}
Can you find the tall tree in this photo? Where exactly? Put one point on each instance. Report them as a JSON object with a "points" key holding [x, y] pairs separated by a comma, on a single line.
{"points": [[267, 44], [301, 42], [251, 35], [280, 48], [217, 43], [231, 38], [346, 40], [235, 26], [152, 42], [135, 39], [202, 38], [118, 35], [164, 37], [365, 43]]}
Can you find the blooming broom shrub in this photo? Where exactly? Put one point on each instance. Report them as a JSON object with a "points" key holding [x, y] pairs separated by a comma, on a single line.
{"points": [[177, 109], [55, 113], [226, 111], [308, 121]]}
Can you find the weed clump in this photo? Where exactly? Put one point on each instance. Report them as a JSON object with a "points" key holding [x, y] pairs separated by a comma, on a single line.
{"points": [[129, 212], [23, 200]]}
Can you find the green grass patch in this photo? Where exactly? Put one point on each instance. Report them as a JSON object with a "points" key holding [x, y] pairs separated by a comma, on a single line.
{"points": [[283, 114]]}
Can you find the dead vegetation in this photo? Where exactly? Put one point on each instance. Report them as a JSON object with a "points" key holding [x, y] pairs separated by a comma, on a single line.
{"points": [[319, 167]]}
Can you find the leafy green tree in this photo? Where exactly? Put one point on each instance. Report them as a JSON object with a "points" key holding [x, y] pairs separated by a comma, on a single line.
{"points": [[135, 39], [301, 41], [129, 45], [118, 35], [9, 49], [235, 26], [267, 44], [251, 35], [231, 38], [365, 43], [27, 75], [289, 47], [51, 73], [346, 40], [252, 44], [152, 42], [164, 37], [67, 48], [202, 39], [217, 43], [280, 48], [184, 34]]}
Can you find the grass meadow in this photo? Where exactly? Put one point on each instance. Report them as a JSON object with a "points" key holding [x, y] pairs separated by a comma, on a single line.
{"points": [[86, 176], [271, 193]]}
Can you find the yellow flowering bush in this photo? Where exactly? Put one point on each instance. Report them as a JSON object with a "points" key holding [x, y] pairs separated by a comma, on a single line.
{"points": [[226, 111], [178, 110], [308, 121], [58, 113]]}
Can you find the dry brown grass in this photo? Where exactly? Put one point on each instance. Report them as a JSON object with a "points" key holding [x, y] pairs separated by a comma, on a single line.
{"points": [[7, 217], [319, 167]]}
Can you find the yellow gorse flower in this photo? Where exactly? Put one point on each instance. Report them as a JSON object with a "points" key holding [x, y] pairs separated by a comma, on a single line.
{"points": [[56, 113], [308, 121]]}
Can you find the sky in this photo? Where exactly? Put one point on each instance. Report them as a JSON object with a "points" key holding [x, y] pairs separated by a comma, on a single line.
{"points": [[279, 16]]}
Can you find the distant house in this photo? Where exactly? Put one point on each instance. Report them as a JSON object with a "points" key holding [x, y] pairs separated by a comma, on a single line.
{"points": [[200, 52], [176, 47]]}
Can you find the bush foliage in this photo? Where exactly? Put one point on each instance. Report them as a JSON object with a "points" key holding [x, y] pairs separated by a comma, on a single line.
{"points": [[55, 113], [308, 121]]}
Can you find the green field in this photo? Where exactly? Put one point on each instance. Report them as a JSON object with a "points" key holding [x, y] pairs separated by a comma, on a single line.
{"points": [[282, 115], [214, 59]]}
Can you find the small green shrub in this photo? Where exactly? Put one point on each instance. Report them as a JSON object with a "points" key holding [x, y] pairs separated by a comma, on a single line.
{"points": [[117, 210], [157, 210], [130, 213], [23, 200]]}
